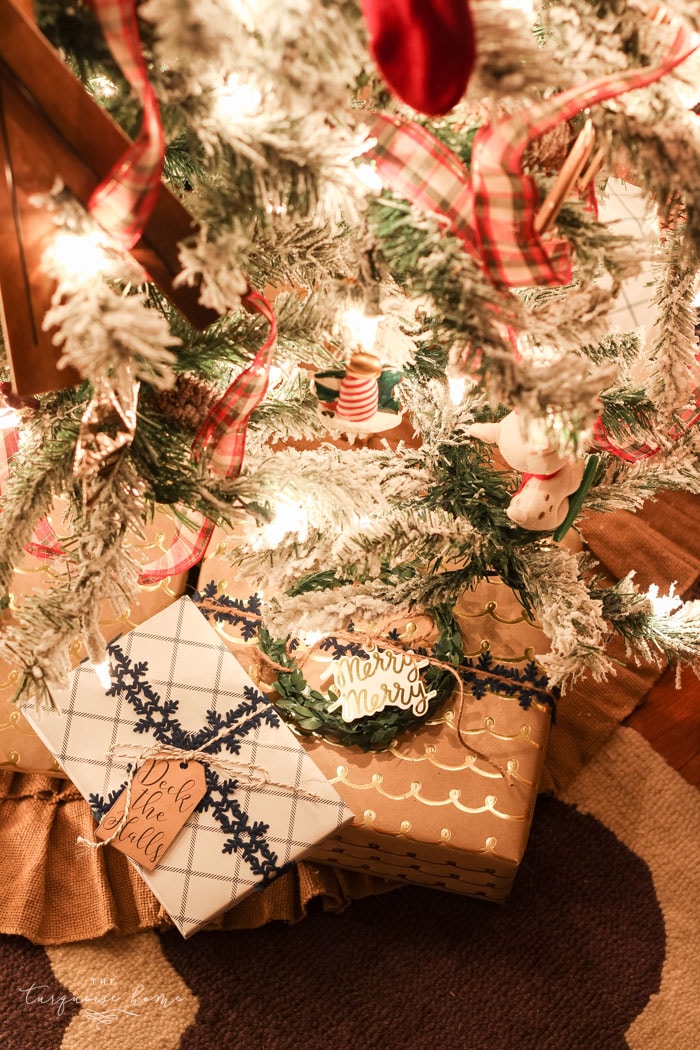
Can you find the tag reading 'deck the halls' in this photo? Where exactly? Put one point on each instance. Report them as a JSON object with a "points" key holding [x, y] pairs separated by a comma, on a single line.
{"points": [[384, 679], [163, 794]]}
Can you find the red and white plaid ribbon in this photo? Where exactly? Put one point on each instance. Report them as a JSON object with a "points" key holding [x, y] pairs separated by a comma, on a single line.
{"points": [[123, 202], [221, 439], [633, 452], [493, 208]]}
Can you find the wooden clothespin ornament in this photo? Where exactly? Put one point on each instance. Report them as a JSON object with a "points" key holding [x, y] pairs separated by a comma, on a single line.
{"points": [[580, 167], [50, 127]]}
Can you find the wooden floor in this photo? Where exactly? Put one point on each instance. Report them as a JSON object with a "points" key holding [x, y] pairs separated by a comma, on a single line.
{"points": [[669, 718]]}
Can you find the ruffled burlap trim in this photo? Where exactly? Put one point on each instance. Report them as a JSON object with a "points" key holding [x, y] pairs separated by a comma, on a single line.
{"points": [[52, 892]]}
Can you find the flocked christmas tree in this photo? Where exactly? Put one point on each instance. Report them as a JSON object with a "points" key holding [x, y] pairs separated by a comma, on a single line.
{"points": [[389, 190]]}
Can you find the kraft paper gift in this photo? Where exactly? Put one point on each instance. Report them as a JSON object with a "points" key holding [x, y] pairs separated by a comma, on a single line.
{"points": [[174, 682], [431, 811], [427, 810], [21, 750]]}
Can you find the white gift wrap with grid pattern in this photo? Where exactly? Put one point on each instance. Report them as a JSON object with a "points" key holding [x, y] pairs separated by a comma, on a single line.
{"points": [[193, 673]]}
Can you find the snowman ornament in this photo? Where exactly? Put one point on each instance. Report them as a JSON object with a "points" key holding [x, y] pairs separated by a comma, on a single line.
{"points": [[541, 503]]}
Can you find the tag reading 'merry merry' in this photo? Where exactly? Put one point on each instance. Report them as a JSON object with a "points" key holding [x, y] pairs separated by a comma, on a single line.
{"points": [[164, 792], [366, 685]]}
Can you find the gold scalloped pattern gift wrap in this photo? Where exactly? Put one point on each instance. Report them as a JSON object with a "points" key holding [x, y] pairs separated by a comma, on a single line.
{"points": [[428, 810], [20, 747]]}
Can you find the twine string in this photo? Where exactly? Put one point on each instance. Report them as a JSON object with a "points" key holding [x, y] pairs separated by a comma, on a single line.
{"points": [[369, 641], [256, 778]]}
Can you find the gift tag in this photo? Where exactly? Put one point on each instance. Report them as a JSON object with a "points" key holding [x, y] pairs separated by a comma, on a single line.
{"points": [[164, 792], [366, 685]]}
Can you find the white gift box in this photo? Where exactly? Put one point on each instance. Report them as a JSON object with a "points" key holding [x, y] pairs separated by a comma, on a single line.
{"points": [[174, 682]]}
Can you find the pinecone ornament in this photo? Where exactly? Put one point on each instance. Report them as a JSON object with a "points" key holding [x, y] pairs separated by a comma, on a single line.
{"points": [[188, 402]]}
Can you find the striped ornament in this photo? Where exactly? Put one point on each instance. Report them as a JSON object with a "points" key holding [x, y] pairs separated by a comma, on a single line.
{"points": [[358, 398]]}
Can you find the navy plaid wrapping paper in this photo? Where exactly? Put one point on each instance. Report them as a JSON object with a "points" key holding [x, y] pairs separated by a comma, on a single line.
{"points": [[174, 680], [493, 208]]}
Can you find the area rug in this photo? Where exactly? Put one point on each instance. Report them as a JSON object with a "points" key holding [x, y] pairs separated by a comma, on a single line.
{"points": [[598, 948]]}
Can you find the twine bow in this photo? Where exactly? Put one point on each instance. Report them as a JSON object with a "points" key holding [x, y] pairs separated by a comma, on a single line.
{"points": [[248, 775]]}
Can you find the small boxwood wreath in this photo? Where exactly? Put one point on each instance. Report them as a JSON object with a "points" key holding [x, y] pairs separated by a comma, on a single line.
{"points": [[308, 708]]}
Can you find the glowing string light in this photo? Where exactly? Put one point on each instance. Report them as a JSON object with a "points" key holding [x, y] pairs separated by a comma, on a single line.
{"points": [[9, 418], [102, 672], [457, 386], [78, 255], [369, 177], [362, 328], [102, 86], [236, 99], [290, 519]]}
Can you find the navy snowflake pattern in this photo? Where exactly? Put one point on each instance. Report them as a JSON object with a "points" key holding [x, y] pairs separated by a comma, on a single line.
{"points": [[158, 717], [482, 675], [527, 684], [221, 608]]}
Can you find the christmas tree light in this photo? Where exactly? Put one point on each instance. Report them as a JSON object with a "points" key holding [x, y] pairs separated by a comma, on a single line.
{"points": [[317, 217]]}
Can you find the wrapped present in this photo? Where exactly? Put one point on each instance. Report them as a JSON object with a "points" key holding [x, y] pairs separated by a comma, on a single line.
{"points": [[175, 688], [449, 804], [21, 750], [430, 811]]}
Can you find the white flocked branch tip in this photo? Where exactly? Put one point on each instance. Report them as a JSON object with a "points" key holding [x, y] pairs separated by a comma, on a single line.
{"points": [[663, 604]]}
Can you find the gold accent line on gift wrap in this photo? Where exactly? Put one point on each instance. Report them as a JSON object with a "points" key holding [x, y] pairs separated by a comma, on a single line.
{"points": [[368, 818], [25, 570], [13, 722], [524, 735], [453, 799], [258, 778], [429, 756], [512, 766], [14, 758], [11, 680], [526, 656], [490, 610]]}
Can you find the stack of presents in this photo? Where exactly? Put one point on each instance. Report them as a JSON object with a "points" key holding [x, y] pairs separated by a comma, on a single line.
{"points": [[447, 804]]}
